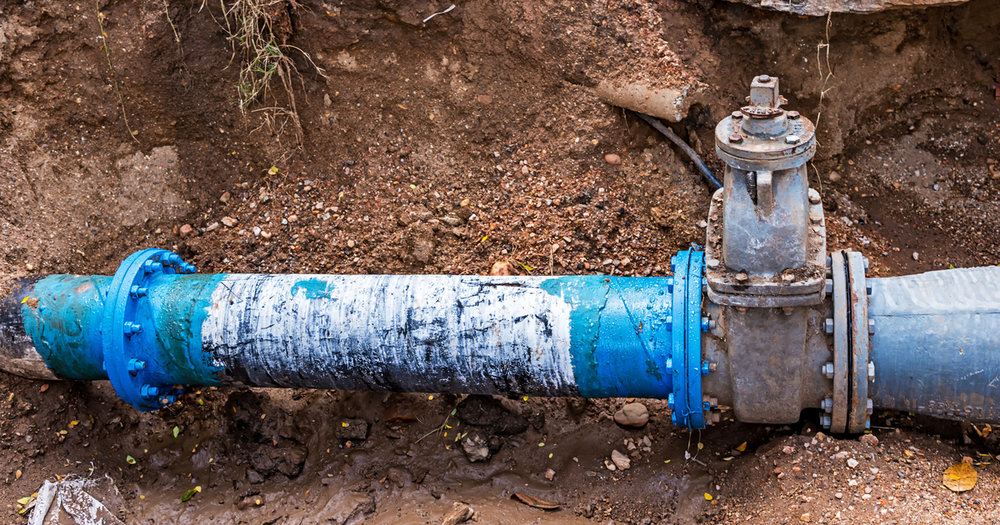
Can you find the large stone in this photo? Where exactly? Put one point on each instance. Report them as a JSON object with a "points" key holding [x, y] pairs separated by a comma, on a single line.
{"points": [[633, 415]]}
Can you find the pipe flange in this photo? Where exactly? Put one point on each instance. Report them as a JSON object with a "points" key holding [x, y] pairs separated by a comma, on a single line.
{"points": [[838, 328], [127, 332], [688, 409], [858, 418]]}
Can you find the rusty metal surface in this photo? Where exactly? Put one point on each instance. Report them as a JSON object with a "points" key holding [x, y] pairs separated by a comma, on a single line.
{"points": [[841, 353], [857, 419], [806, 286]]}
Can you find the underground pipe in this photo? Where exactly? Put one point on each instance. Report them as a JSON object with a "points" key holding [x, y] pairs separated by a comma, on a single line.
{"points": [[764, 320]]}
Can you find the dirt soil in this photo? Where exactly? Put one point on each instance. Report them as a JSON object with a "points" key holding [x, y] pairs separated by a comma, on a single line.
{"points": [[444, 147]]}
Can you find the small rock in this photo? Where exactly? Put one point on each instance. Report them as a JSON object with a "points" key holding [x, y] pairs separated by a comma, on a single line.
{"points": [[250, 501], [834, 176], [225, 197], [17, 474], [229, 221], [187, 230], [484, 99], [351, 243], [293, 218], [502, 268], [265, 234], [254, 477], [852, 463], [916, 256], [621, 461], [451, 221], [789, 450], [459, 513], [549, 474], [478, 448], [29, 267], [464, 203], [212, 227], [805, 518], [839, 495], [352, 429], [613, 159], [327, 102], [634, 415], [868, 439]]}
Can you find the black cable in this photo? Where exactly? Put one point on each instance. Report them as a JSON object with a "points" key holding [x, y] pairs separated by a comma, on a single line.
{"points": [[667, 132]]}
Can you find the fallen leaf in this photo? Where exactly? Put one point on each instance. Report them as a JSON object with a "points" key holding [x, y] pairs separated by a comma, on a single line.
{"points": [[708, 497], [533, 501], [190, 493], [130, 460], [742, 447], [272, 171], [701, 445], [960, 477], [43, 388], [177, 431]]}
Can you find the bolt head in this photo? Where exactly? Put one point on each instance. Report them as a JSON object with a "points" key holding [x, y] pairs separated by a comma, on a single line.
{"points": [[793, 115], [828, 370], [742, 277], [712, 263], [871, 326], [737, 115], [791, 139], [825, 420], [736, 138], [828, 326], [814, 197], [871, 370], [763, 78]]}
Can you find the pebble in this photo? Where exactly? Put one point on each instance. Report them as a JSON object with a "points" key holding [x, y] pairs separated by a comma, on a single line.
{"points": [[476, 447], [852, 463], [186, 230], [228, 221], [839, 495], [459, 513], [806, 518], [29, 267], [868, 439], [834, 176], [351, 243], [621, 461], [788, 450], [549, 474], [250, 501], [634, 415], [916, 256], [613, 159], [225, 197], [293, 218], [502, 268]]}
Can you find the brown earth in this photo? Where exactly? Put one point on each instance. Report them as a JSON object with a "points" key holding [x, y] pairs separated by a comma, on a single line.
{"points": [[443, 147]]}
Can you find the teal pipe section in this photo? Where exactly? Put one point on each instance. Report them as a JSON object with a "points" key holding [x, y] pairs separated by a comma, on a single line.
{"points": [[620, 329], [62, 315], [178, 309]]}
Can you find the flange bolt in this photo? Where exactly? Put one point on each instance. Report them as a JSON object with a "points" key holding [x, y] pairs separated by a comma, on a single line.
{"points": [[135, 365], [828, 370], [828, 326], [827, 405], [148, 391], [132, 328]]}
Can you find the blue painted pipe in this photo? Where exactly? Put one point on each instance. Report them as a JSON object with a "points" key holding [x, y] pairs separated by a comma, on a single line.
{"points": [[936, 346], [153, 326]]}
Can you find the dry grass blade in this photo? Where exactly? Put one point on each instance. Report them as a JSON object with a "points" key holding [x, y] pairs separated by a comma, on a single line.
{"points": [[256, 32]]}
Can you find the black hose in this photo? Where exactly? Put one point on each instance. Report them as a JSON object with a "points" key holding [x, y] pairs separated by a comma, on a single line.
{"points": [[658, 126]]}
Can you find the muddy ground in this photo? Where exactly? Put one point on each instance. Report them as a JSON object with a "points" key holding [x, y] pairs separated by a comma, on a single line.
{"points": [[444, 147]]}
